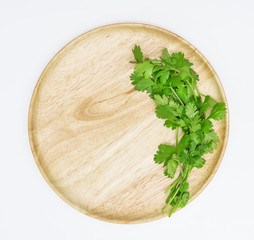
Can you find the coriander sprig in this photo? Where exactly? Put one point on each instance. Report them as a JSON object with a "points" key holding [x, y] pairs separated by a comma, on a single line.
{"points": [[172, 84]]}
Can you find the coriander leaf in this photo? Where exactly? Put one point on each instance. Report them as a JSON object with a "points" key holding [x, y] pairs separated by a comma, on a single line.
{"points": [[211, 136], [181, 123], [175, 82], [206, 125], [166, 91], [145, 68], [212, 146], [194, 137], [218, 112], [171, 168], [177, 60], [173, 104], [183, 156], [184, 186], [179, 111], [171, 124], [190, 110], [197, 161], [208, 102], [199, 102], [138, 55], [195, 124], [158, 89], [192, 146], [165, 112], [184, 199], [142, 84], [200, 150], [165, 53], [163, 76], [183, 75], [173, 202], [157, 68], [184, 142], [183, 94], [164, 153], [174, 123], [160, 100], [194, 75]]}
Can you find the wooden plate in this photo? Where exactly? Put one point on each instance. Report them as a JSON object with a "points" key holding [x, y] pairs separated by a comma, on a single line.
{"points": [[93, 136]]}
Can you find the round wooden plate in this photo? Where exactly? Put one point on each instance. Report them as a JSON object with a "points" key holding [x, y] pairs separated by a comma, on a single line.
{"points": [[93, 136]]}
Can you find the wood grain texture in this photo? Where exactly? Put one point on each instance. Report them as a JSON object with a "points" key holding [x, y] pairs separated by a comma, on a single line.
{"points": [[93, 136]]}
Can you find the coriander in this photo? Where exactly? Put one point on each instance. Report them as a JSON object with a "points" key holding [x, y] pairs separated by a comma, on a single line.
{"points": [[172, 84]]}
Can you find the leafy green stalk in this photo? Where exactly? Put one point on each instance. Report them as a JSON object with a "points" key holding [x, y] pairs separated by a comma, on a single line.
{"points": [[172, 84]]}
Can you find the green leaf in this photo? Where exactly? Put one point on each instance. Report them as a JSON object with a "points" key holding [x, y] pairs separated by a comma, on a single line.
{"points": [[163, 76], [173, 202], [145, 68], [180, 110], [160, 100], [173, 104], [165, 53], [158, 68], [192, 146], [183, 94], [184, 142], [171, 168], [138, 55], [183, 156], [164, 153], [211, 136], [190, 110], [157, 89], [142, 84], [177, 60], [166, 91], [208, 102], [181, 123], [175, 82], [184, 199], [165, 112], [195, 124], [218, 112], [183, 75], [197, 161], [206, 125], [194, 137], [171, 124], [174, 123], [199, 102], [200, 150], [184, 186]]}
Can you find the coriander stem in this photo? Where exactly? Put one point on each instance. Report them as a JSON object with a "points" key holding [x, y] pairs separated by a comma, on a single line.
{"points": [[176, 206], [167, 205], [199, 94], [174, 184], [170, 195], [179, 99], [192, 90], [181, 169], [177, 131]]}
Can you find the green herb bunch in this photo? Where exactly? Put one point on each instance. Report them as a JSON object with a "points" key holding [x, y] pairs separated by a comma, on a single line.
{"points": [[172, 84]]}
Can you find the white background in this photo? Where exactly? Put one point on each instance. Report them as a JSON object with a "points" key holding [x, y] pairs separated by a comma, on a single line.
{"points": [[31, 32]]}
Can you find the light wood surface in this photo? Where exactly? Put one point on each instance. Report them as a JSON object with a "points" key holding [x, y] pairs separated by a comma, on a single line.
{"points": [[93, 136]]}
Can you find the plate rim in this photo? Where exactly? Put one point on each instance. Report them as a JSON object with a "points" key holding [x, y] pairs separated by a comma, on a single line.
{"points": [[30, 113]]}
